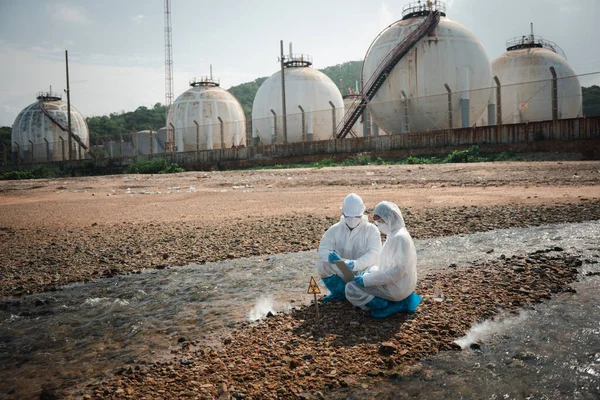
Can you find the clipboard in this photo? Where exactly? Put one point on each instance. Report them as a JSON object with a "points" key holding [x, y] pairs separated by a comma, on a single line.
{"points": [[348, 275]]}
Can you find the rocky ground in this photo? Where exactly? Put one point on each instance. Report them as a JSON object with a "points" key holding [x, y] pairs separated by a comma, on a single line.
{"points": [[54, 232], [297, 356]]}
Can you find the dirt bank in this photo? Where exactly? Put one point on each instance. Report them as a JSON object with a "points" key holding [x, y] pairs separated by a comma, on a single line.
{"points": [[54, 232]]}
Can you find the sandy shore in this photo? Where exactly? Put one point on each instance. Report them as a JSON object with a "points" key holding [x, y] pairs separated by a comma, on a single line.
{"points": [[54, 232]]}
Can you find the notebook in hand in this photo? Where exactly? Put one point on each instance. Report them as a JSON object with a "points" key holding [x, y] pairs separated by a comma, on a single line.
{"points": [[348, 275]]}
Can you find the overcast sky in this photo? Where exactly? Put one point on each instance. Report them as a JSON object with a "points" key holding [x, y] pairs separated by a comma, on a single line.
{"points": [[116, 48]]}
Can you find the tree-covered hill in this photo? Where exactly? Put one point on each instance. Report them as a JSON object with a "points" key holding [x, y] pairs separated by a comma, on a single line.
{"points": [[125, 122]]}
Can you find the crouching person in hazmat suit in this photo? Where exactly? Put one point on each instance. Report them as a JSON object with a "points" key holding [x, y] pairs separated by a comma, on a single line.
{"points": [[388, 288], [354, 239]]}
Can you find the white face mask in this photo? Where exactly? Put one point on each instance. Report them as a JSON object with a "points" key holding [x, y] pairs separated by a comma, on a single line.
{"points": [[352, 222], [382, 226]]}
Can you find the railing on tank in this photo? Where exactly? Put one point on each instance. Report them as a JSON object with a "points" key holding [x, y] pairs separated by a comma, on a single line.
{"points": [[527, 42], [204, 81], [297, 60], [48, 96], [422, 8], [371, 87]]}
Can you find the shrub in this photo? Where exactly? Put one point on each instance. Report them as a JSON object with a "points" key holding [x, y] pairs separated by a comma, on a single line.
{"points": [[326, 162], [464, 156], [36, 173], [153, 166]]}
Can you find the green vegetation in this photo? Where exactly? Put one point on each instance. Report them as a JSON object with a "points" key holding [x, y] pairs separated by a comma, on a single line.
{"points": [[591, 101], [115, 124], [37, 173], [469, 155], [345, 75], [153, 166], [245, 94]]}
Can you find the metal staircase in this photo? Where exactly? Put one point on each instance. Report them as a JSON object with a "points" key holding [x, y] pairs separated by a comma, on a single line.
{"points": [[62, 128], [371, 87]]}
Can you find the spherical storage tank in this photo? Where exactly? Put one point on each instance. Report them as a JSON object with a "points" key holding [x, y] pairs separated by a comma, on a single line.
{"points": [[205, 102], [450, 55], [526, 81], [44, 123], [313, 102]]}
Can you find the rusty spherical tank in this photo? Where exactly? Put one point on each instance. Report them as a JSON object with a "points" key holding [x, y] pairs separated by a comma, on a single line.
{"points": [[450, 55], [313, 102], [39, 132], [207, 117], [526, 81]]}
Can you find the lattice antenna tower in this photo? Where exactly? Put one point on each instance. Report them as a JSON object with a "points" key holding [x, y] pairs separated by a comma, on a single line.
{"points": [[168, 57]]}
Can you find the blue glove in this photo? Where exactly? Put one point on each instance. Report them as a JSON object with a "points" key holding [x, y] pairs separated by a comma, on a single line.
{"points": [[334, 256], [359, 280], [350, 264]]}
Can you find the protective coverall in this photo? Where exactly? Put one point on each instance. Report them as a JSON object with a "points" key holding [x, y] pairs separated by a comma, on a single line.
{"points": [[362, 244], [394, 278]]}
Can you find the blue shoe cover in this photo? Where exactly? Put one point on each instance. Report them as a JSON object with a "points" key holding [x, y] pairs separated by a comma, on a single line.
{"points": [[376, 303], [336, 286], [408, 305]]}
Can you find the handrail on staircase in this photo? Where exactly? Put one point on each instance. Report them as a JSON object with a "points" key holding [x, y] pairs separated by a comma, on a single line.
{"points": [[386, 65]]}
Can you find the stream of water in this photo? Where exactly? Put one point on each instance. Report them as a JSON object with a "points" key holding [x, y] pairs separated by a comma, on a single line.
{"points": [[83, 331]]}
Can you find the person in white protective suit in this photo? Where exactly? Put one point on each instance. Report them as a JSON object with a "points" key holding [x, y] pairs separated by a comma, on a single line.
{"points": [[388, 287], [353, 239]]}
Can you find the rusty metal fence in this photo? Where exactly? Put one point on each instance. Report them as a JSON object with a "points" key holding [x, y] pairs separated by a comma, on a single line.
{"points": [[449, 118]]}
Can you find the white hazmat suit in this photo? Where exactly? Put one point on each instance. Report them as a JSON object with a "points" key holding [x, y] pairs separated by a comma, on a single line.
{"points": [[361, 244], [353, 240], [394, 277]]}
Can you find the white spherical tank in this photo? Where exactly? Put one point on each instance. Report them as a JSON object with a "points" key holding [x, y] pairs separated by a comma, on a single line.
{"points": [[450, 55], [219, 115], [313, 102], [40, 131], [526, 81]]}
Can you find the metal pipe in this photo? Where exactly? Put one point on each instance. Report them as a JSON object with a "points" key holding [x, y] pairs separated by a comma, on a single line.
{"points": [[333, 118], [406, 121], [62, 141], [303, 123], [31, 152], [222, 133], [173, 136], [134, 137], [70, 133], [151, 143], [365, 122], [47, 150], [121, 147], [498, 101], [450, 125], [274, 133], [18, 153], [197, 135], [554, 94], [284, 111]]}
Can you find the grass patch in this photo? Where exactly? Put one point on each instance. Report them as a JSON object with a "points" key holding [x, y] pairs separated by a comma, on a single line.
{"points": [[36, 173], [469, 155], [153, 166]]}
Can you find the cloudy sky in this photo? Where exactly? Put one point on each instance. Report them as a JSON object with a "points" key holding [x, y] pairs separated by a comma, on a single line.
{"points": [[116, 48]]}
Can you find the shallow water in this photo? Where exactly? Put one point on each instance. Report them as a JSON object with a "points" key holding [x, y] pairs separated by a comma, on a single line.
{"points": [[550, 352], [87, 330]]}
